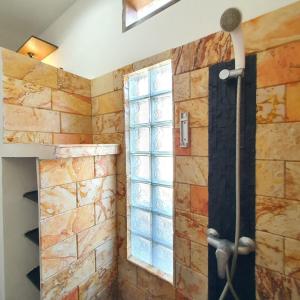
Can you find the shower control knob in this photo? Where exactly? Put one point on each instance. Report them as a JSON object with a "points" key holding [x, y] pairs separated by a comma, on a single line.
{"points": [[224, 74]]}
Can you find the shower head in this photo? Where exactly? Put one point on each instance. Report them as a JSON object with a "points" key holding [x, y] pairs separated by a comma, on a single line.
{"points": [[230, 22]]}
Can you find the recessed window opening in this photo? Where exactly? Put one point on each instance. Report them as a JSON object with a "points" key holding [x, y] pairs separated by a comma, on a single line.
{"points": [[150, 171]]}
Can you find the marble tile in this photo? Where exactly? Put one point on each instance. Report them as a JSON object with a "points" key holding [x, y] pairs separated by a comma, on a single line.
{"points": [[24, 93], [108, 103], [192, 170], [270, 178], [22, 137], [181, 87], [97, 122], [292, 177], [109, 293], [293, 102], [21, 118], [65, 281], [73, 295], [191, 226], [278, 141], [199, 200], [121, 236], [128, 291], [89, 191], [182, 196], [54, 259], [105, 165], [161, 289], [60, 227], [118, 76], [263, 33], [72, 138], [121, 185], [71, 103], [273, 285], [199, 83], [279, 65], [115, 138], [74, 84], [199, 258], [278, 216], [61, 171], [292, 258], [93, 237], [106, 253], [197, 109], [56, 200], [112, 123], [199, 141], [144, 279], [127, 271], [270, 104], [71, 123], [183, 251], [190, 284], [102, 84], [180, 150], [152, 60], [269, 251]]}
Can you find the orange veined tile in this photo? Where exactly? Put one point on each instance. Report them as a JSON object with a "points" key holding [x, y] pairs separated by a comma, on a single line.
{"points": [[199, 200], [180, 150], [72, 138], [293, 102], [73, 295]]}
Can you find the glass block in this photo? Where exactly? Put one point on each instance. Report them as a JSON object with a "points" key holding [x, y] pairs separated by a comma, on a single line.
{"points": [[162, 108], [141, 222], [162, 258], [162, 169], [141, 248], [162, 139], [140, 139], [163, 200], [139, 112], [161, 79], [162, 230], [139, 85], [140, 167], [141, 194]]}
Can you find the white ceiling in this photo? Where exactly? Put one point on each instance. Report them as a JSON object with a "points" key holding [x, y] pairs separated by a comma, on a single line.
{"points": [[20, 19]]}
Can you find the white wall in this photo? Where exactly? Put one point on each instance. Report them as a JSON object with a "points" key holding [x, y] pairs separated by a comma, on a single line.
{"points": [[91, 41]]}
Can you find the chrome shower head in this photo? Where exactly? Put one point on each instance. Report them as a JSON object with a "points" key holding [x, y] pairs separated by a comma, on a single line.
{"points": [[230, 19]]}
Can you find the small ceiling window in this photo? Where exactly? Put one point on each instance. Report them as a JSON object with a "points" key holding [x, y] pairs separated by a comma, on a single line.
{"points": [[137, 11]]}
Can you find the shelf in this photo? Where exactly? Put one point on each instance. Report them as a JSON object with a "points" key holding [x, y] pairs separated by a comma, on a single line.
{"points": [[33, 195], [33, 235], [34, 277]]}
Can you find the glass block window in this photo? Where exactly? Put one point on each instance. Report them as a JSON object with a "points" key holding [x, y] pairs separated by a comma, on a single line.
{"points": [[150, 171]]}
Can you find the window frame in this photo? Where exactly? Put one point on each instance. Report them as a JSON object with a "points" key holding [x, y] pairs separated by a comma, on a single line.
{"points": [[148, 267], [138, 22]]}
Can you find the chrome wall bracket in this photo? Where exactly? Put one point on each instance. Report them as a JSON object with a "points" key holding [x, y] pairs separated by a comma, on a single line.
{"points": [[228, 74], [184, 129]]}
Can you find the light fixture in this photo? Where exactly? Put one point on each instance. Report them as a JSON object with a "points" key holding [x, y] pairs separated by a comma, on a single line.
{"points": [[37, 48]]}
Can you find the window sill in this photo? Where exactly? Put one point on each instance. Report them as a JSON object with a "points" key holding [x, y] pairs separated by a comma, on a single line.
{"points": [[151, 269]]}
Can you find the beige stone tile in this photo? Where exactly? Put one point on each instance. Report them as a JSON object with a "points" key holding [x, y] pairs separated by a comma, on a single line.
{"points": [[129, 291], [269, 251], [292, 185], [199, 258], [278, 141], [183, 251], [89, 191], [97, 126], [278, 216], [71, 123], [190, 284], [105, 165], [270, 178], [61, 171], [108, 103], [192, 170], [270, 104], [71, 103], [93, 237], [112, 123], [191, 226], [199, 83], [279, 65], [21, 118], [74, 84], [109, 138], [292, 258], [293, 102], [181, 87], [24, 93], [118, 76], [122, 237], [199, 200], [197, 109], [69, 278], [56, 200], [22, 137], [182, 196], [72, 138], [127, 271], [106, 253], [161, 289], [149, 61], [54, 259], [60, 227], [102, 84], [109, 293], [199, 141]]}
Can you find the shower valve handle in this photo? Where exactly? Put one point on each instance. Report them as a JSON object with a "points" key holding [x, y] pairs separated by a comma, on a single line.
{"points": [[223, 255]]}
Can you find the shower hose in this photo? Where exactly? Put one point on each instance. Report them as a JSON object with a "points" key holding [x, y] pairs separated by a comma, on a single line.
{"points": [[230, 274]]}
